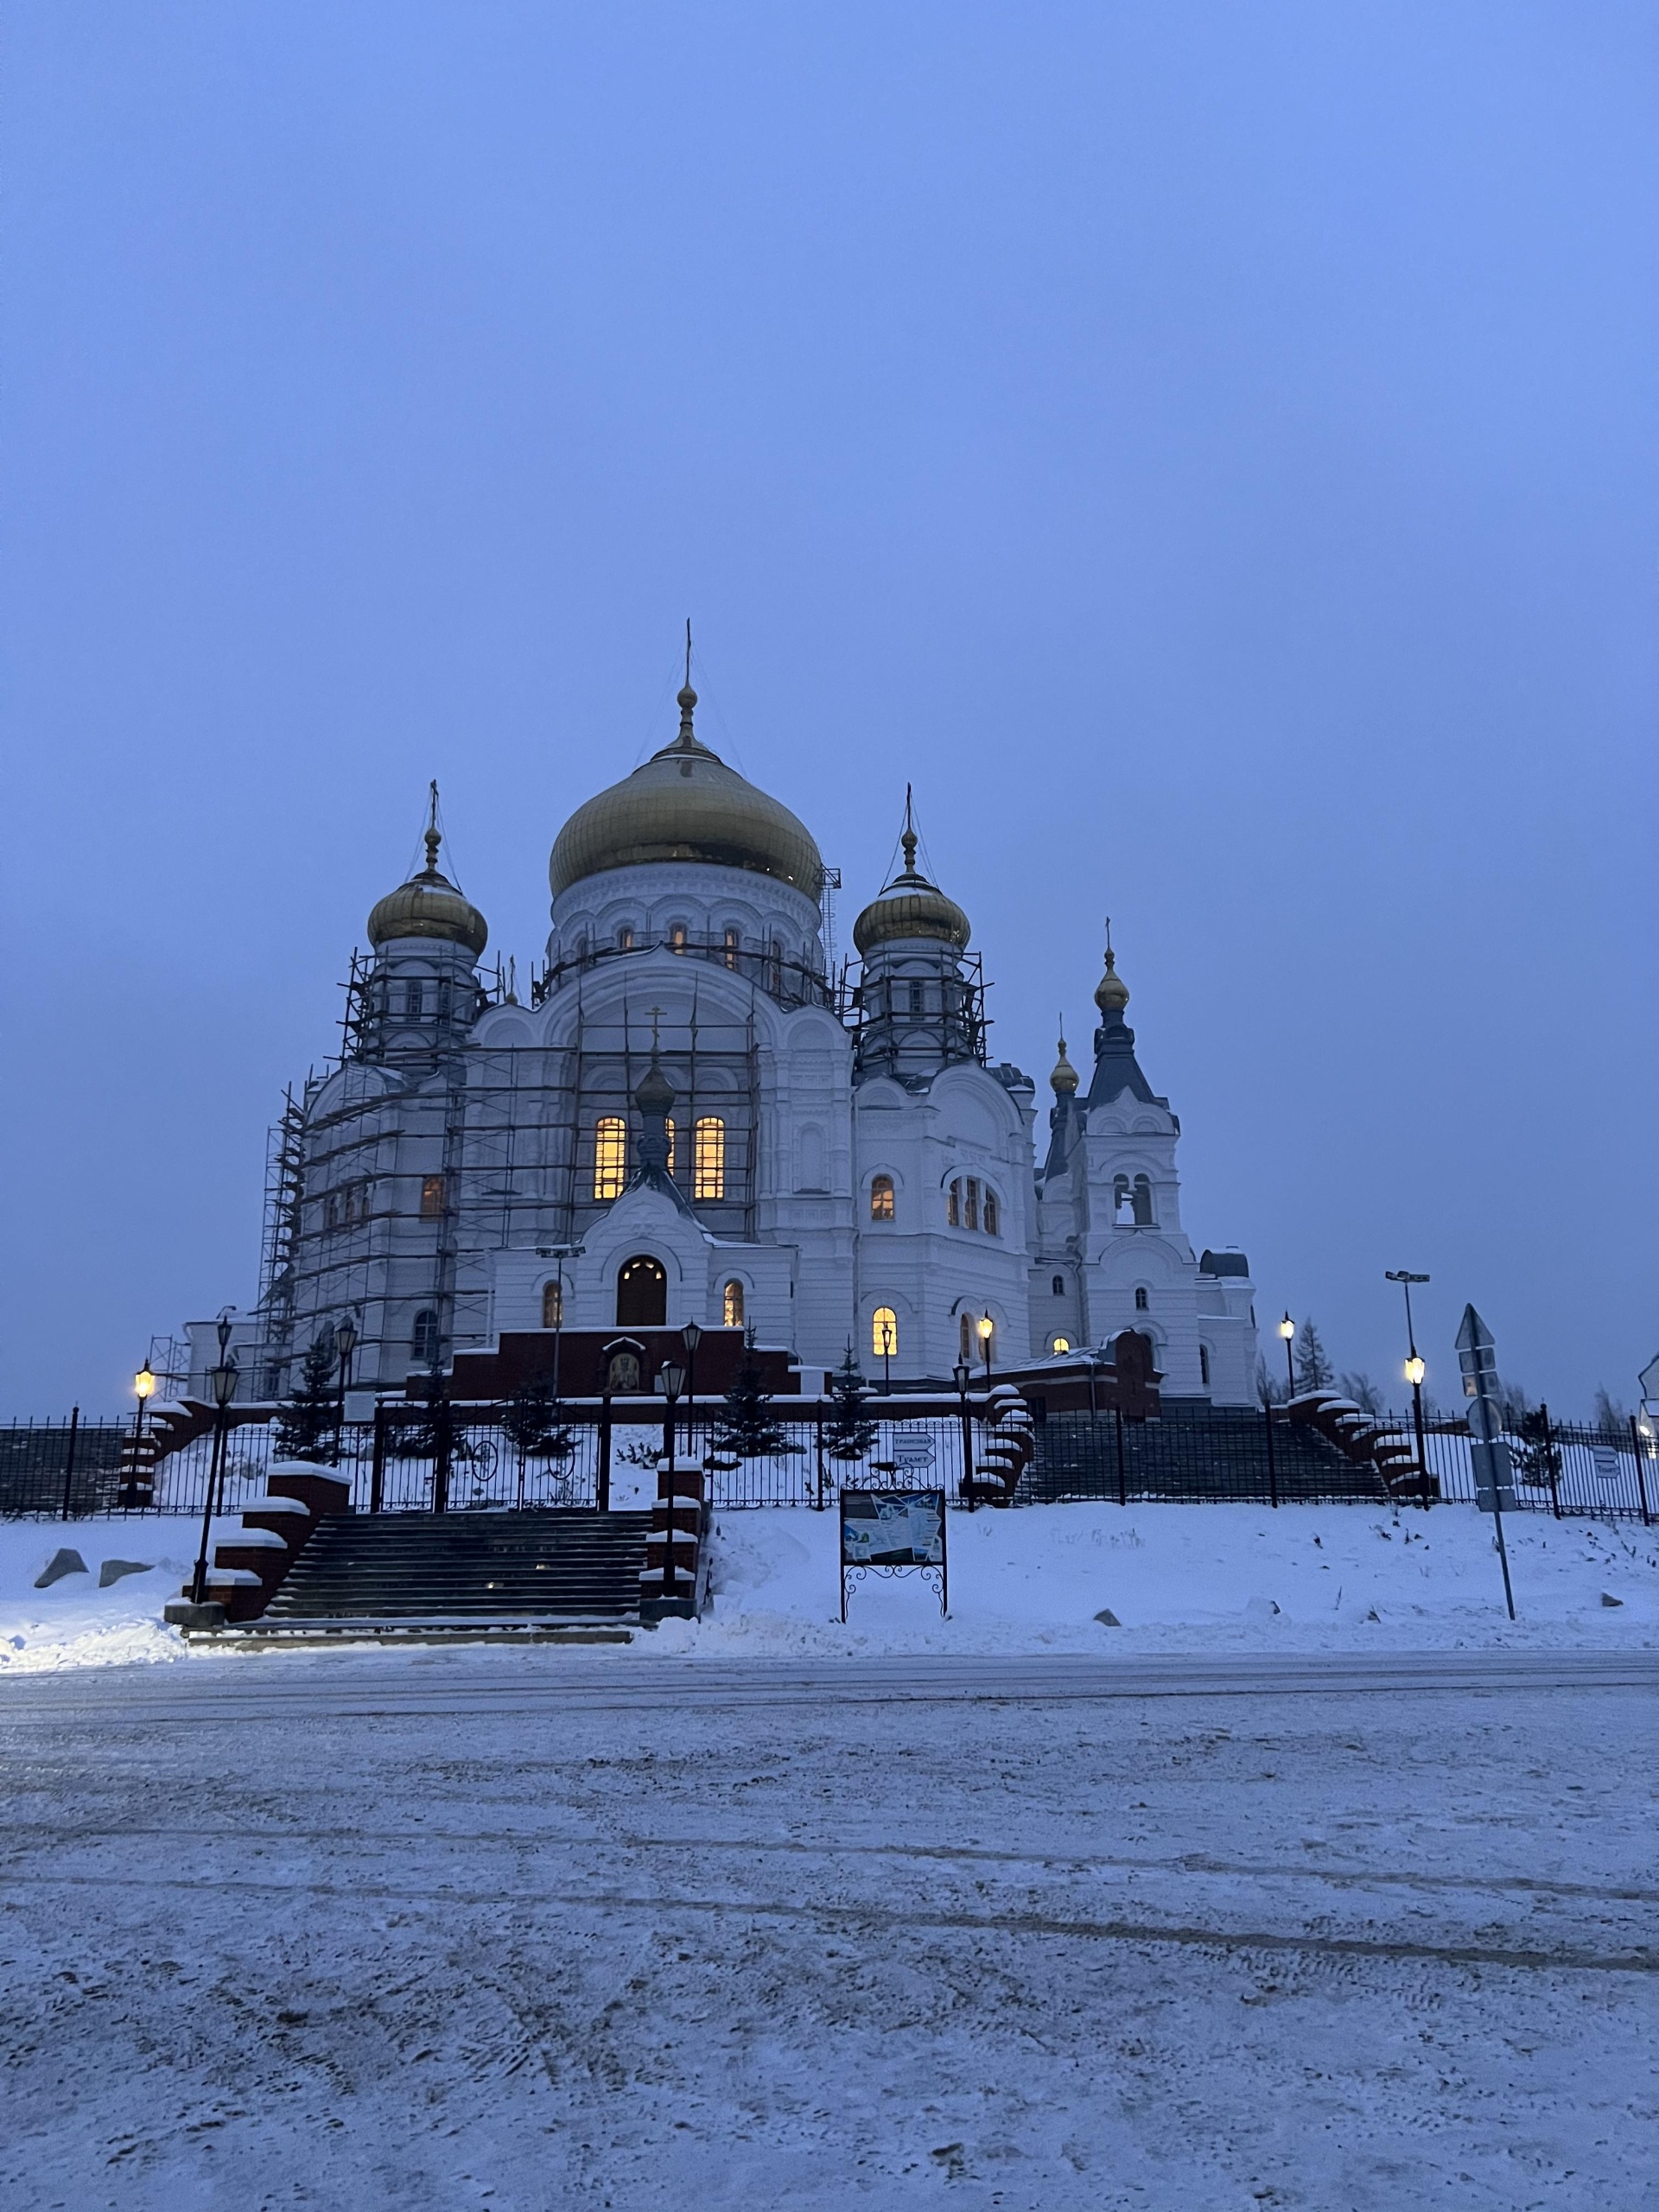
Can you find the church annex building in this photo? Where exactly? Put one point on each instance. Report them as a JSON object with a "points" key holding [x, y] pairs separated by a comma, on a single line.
{"points": [[692, 1119]]}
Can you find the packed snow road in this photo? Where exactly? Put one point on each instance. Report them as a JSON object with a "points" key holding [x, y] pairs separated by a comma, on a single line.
{"points": [[537, 1928]]}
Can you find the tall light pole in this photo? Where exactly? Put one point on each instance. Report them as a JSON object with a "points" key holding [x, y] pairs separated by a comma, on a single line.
{"points": [[223, 1378], [345, 1346], [1415, 1371], [886, 1357], [987, 1331], [1288, 1330], [963, 1374], [671, 1380], [144, 1388]]}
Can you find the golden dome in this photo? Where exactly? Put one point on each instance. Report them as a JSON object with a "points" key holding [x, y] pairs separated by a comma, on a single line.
{"points": [[429, 905], [684, 804], [1111, 992], [911, 907], [1064, 1079]]}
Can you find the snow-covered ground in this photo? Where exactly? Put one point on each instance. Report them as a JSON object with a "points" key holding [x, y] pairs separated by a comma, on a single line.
{"points": [[1177, 1578], [543, 1928]]}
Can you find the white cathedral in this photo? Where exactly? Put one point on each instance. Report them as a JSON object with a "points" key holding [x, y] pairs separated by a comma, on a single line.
{"points": [[693, 1120]]}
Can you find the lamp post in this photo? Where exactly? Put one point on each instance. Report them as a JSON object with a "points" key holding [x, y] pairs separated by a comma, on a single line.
{"points": [[223, 1379], [144, 1387], [987, 1330], [1287, 1329], [886, 1348], [671, 1380], [345, 1346], [963, 1374], [1415, 1371], [690, 1336]]}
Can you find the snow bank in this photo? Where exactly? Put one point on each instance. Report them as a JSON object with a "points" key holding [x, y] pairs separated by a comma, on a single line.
{"points": [[1200, 1579], [1190, 1578], [73, 1622]]}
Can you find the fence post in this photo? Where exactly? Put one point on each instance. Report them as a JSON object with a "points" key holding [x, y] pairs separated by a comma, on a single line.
{"points": [[378, 1467], [1549, 1464], [1641, 1479], [69, 1458], [1273, 1473], [818, 1430], [1122, 1477], [602, 1485]]}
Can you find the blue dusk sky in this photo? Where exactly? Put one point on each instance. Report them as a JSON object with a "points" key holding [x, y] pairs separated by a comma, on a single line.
{"points": [[1208, 449]]}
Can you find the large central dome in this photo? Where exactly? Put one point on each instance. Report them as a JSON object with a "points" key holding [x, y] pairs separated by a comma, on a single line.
{"points": [[684, 804]]}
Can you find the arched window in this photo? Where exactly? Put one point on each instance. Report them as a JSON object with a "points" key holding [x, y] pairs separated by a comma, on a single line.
{"points": [[731, 948], [677, 936], [880, 1197], [1142, 1201], [1061, 1343], [917, 998], [993, 1213], [431, 1198], [953, 1205], [1141, 1301], [970, 1207], [708, 1166], [965, 1337], [1203, 1365], [884, 1332], [423, 1342], [731, 1304], [1059, 1286], [553, 1304], [414, 1000], [641, 1293], [668, 1131], [625, 937], [610, 1155]]}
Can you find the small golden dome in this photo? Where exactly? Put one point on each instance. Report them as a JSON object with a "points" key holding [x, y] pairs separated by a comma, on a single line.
{"points": [[684, 804], [1111, 992], [911, 907], [1064, 1079], [429, 905]]}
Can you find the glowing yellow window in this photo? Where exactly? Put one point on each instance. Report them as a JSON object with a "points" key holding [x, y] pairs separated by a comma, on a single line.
{"points": [[732, 1304], [882, 1198], [431, 1198], [1062, 1343], [708, 1158], [610, 1155], [884, 1332], [668, 1131]]}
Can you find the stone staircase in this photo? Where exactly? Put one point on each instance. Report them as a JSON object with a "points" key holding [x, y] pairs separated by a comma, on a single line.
{"points": [[555, 1575]]}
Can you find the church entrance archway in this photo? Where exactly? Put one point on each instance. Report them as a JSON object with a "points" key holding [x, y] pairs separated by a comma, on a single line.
{"points": [[641, 1293]]}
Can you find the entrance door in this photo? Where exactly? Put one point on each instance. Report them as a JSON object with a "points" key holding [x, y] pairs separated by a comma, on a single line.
{"points": [[642, 1293]]}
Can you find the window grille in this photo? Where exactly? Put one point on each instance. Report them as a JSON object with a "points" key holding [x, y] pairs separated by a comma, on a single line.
{"points": [[882, 1198], [708, 1166]]}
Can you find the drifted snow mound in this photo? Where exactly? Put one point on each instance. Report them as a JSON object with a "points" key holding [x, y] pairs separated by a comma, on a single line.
{"points": [[105, 1613], [1185, 1578]]}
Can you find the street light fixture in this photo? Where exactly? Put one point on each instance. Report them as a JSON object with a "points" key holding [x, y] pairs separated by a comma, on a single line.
{"points": [[1415, 1370], [671, 1380], [144, 1387], [964, 1375], [987, 1331], [1287, 1329], [345, 1346], [223, 1379], [886, 1331], [690, 1336]]}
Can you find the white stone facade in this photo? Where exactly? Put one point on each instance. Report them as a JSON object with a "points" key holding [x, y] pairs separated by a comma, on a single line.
{"points": [[477, 1166]]}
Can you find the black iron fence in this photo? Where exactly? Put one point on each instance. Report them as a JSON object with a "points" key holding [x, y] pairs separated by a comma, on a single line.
{"points": [[401, 1463]]}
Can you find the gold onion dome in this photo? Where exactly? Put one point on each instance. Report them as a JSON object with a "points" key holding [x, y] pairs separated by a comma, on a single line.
{"points": [[1064, 1079], [911, 907], [1111, 992], [684, 804], [429, 905]]}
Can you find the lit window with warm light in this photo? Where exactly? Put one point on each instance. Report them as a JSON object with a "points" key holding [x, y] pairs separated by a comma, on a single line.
{"points": [[432, 1197], [709, 1163], [553, 1304], [610, 1155], [732, 1304], [884, 1332], [882, 1198]]}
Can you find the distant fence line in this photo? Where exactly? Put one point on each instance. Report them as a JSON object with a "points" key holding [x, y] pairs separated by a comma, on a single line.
{"points": [[55, 1470]]}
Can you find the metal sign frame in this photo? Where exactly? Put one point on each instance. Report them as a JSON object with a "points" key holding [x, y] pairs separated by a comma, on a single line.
{"points": [[891, 1517]]}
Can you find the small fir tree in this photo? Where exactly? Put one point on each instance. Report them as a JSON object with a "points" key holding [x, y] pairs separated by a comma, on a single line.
{"points": [[308, 1424], [748, 1427], [1533, 1452], [1314, 1369], [849, 1433]]}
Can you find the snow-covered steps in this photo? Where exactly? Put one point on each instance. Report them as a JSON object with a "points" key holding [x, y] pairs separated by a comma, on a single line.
{"points": [[443, 1569]]}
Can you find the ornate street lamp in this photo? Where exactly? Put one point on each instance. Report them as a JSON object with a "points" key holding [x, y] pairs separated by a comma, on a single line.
{"points": [[144, 1388], [987, 1331], [223, 1380], [1415, 1371], [345, 1346], [671, 1380], [1288, 1330], [964, 1375]]}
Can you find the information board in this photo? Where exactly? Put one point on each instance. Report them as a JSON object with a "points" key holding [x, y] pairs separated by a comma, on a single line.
{"points": [[888, 1532]]}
